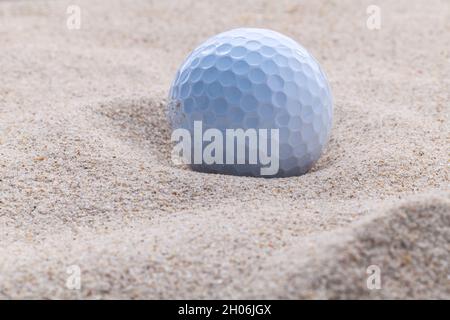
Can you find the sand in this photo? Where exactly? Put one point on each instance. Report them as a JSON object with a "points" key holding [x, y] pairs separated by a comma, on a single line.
{"points": [[86, 178]]}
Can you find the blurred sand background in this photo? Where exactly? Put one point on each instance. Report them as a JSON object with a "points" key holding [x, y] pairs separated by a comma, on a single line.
{"points": [[85, 176]]}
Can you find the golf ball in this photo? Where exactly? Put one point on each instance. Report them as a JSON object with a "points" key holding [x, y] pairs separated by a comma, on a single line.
{"points": [[254, 79]]}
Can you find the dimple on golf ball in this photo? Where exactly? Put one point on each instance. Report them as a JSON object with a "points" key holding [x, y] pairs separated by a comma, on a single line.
{"points": [[254, 79]]}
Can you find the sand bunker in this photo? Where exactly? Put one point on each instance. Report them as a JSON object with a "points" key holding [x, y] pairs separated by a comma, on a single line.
{"points": [[86, 180]]}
